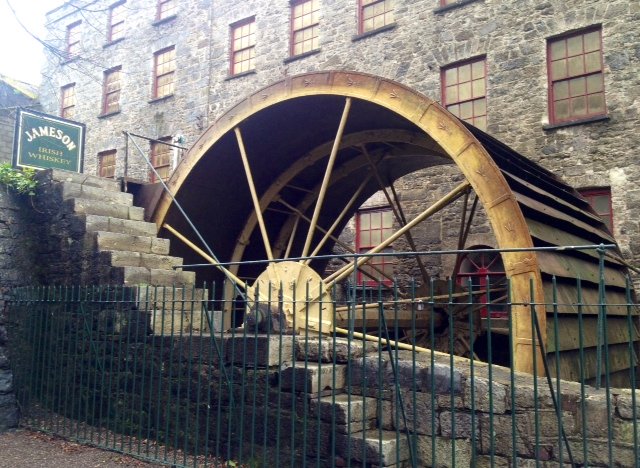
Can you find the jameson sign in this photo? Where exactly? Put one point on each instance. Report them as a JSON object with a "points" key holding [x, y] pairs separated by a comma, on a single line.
{"points": [[44, 141]]}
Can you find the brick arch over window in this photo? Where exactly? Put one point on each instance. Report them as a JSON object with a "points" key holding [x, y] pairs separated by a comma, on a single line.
{"points": [[292, 124]]}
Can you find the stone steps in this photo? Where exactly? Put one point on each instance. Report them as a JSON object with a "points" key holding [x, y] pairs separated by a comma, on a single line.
{"points": [[95, 207], [123, 249], [96, 223]]}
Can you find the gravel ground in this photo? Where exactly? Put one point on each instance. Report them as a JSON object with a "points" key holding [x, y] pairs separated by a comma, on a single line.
{"points": [[23, 448]]}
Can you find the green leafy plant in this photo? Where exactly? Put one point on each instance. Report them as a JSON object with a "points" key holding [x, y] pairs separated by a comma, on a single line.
{"points": [[22, 181]]}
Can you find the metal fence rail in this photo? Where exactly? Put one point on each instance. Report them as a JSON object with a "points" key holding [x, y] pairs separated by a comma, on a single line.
{"points": [[148, 372]]}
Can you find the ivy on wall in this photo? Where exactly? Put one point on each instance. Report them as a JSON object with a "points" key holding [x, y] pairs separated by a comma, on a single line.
{"points": [[21, 181]]}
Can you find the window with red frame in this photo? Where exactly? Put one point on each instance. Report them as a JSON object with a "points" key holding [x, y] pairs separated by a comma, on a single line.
{"points": [[161, 159], [464, 89], [73, 39], [576, 78], [375, 14], [484, 270], [107, 164], [166, 9], [305, 16], [164, 72], [68, 101], [373, 227], [117, 14], [111, 97], [243, 46], [600, 201]]}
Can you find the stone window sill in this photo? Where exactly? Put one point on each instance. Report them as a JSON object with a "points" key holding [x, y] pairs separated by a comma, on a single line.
{"points": [[453, 6], [240, 75], [109, 114], [109, 44], [164, 20], [161, 99], [599, 118], [364, 35], [293, 58]]}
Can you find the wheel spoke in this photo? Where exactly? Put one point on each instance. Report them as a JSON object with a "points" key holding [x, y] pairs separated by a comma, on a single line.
{"points": [[464, 233], [206, 256], [292, 236], [254, 195], [332, 237], [398, 213], [329, 232], [327, 176], [440, 204]]}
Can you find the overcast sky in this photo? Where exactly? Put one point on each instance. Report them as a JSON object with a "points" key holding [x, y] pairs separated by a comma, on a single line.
{"points": [[21, 56]]}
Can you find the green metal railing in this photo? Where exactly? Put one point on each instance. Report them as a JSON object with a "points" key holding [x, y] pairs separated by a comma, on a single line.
{"points": [[146, 371]]}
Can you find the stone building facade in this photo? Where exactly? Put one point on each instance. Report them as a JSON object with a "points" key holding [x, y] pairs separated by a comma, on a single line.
{"points": [[167, 69], [13, 94]]}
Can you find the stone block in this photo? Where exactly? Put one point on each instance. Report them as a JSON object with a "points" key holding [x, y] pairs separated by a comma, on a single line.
{"points": [[125, 242], [369, 371], [74, 190], [488, 396], [85, 206], [9, 417], [251, 350], [448, 453], [419, 415], [160, 262], [132, 275], [346, 410], [382, 448], [6, 381], [160, 277], [595, 415], [624, 405], [85, 180], [457, 425], [327, 349], [313, 378], [497, 435], [135, 213], [159, 246], [178, 322]]}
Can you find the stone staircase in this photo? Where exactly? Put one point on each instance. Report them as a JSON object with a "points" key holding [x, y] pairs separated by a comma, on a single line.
{"points": [[114, 245]]}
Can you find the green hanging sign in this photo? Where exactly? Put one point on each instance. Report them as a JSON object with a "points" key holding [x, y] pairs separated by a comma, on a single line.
{"points": [[46, 142]]}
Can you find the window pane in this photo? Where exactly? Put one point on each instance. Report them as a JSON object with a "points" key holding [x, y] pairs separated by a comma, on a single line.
{"points": [[376, 237], [577, 86], [464, 73], [464, 91], [477, 70], [596, 103], [579, 106], [451, 76], [576, 65], [559, 70], [387, 219], [558, 50], [455, 109], [594, 83], [478, 88], [574, 45], [601, 204], [562, 110], [480, 122], [451, 94], [561, 90], [592, 41], [480, 107], [376, 221], [365, 239], [592, 62], [466, 110]]}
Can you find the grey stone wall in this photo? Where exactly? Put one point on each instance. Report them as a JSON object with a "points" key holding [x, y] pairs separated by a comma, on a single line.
{"points": [[17, 258], [511, 34]]}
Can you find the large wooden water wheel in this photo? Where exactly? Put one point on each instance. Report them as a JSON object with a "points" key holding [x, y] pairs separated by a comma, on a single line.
{"points": [[279, 175]]}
